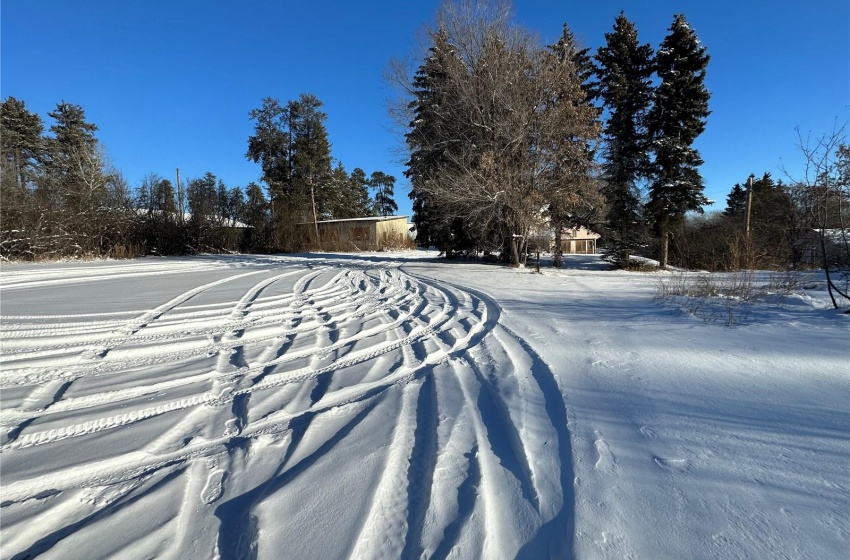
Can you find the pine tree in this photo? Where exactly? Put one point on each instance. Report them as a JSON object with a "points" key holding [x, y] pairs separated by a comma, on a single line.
{"points": [[625, 70], [339, 203], [311, 158], [678, 116], [256, 206], [349, 193], [271, 146], [358, 186], [74, 190], [291, 144], [22, 148], [74, 162], [21, 156], [256, 214], [163, 196], [384, 190]]}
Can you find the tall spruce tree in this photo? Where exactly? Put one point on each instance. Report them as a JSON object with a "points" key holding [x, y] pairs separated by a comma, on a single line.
{"points": [[624, 73], [434, 227], [736, 201], [565, 141], [677, 117]]}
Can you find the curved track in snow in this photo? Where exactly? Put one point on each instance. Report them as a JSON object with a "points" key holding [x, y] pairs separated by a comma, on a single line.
{"points": [[340, 409]]}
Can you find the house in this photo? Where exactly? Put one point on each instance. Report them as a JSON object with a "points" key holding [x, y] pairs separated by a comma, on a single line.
{"points": [[365, 234], [577, 240], [836, 241]]}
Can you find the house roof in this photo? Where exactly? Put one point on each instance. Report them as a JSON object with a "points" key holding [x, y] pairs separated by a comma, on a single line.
{"points": [[365, 219], [579, 232]]}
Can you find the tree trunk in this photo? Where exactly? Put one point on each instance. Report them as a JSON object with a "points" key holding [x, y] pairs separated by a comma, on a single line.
{"points": [[557, 252], [514, 251], [665, 246]]}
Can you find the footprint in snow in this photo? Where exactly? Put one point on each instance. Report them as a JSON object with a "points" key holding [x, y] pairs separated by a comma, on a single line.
{"points": [[677, 465], [605, 459]]}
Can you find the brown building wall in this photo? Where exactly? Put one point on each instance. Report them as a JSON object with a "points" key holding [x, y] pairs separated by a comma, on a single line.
{"points": [[356, 235]]}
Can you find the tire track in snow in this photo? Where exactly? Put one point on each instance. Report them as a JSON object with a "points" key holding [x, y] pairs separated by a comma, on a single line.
{"points": [[424, 329], [501, 466]]}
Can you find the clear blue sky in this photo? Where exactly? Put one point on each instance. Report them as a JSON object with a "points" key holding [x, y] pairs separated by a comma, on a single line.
{"points": [[170, 83]]}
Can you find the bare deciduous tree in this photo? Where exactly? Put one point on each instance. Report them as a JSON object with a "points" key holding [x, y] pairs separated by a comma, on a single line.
{"points": [[500, 127], [823, 197]]}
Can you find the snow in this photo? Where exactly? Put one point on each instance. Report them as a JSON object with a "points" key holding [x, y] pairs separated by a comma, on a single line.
{"points": [[395, 405]]}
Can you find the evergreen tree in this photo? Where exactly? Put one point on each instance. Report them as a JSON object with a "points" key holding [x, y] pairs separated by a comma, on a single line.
{"points": [[256, 208], [384, 190], [340, 199], [434, 227], [271, 145], [163, 196], [21, 155], [202, 198], [22, 148], [358, 186], [257, 215], [291, 144], [75, 167], [676, 119], [565, 144], [311, 156], [736, 201], [348, 194], [625, 70], [78, 195], [222, 202]]}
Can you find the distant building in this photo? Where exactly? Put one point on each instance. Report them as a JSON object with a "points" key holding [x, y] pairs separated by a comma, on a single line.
{"points": [[836, 242], [365, 234], [578, 240]]}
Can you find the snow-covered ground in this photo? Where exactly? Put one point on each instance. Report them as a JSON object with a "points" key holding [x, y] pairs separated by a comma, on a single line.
{"points": [[397, 406]]}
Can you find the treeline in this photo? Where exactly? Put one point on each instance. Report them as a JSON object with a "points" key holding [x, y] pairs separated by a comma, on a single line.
{"points": [[60, 196], [508, 137]]}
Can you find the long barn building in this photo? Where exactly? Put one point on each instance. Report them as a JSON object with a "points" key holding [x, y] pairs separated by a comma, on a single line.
{"points": [[364, 234]]}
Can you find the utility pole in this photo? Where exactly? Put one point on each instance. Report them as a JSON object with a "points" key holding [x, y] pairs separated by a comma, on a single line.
{"points": [[179, 199], [315, 215], [749, 204], [749, 209]]}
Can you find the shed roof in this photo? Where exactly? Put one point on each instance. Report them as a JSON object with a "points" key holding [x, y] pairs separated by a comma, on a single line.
{"points": [[364, 219]]}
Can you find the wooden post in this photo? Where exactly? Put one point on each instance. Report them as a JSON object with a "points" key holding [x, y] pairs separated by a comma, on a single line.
{"points": [[315, 215]]}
